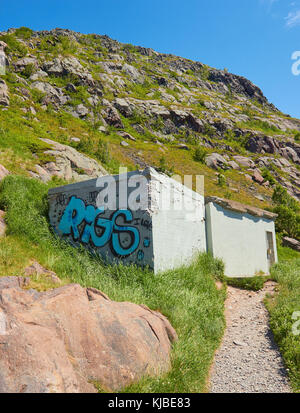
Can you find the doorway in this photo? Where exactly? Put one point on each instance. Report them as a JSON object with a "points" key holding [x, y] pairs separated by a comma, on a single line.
{"points": [[270, 249]]}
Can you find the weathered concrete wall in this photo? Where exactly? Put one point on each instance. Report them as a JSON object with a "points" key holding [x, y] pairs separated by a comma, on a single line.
{"points": [[239, 239], [116, 234], [159, 234], [178, 231]]}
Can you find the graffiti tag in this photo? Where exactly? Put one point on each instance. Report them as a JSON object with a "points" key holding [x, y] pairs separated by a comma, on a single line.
{"points": [[77, 214]]}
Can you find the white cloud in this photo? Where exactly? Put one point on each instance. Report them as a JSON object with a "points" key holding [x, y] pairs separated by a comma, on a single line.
{"points": [[268, 3], [293, 19]]}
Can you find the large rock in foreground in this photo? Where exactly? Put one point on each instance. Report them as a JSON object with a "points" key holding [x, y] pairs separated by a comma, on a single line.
{"points": [[64, 339]]}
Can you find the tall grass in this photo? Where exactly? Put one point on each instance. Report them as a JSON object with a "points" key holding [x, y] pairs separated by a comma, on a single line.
{"points": [[281, 309], [187, 296]]}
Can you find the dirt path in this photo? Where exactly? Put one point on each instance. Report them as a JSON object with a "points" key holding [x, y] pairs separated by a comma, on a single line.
{"points": [[248, 360]]}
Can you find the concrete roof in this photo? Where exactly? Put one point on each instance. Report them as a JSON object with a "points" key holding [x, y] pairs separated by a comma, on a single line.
{"points": [[242, 208]]}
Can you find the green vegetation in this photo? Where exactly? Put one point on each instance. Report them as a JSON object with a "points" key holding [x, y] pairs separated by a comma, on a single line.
{"points": [[288, 210], [297, 136], [281, 308], [187, 296], [261, 125], [238, 143], [66, 46], [59, 126], [141, 90], [28, 71], [102, 152], [21, 147], [229, 95], [23, 33], [78, 97], [164, 168], [37, 96], [286, 253], [200, 154], [266, 174], [14, 46], [136, 117], [252, 283], [205, 72], [247, 110], [58, 45], [221, 180], [208, 130]]}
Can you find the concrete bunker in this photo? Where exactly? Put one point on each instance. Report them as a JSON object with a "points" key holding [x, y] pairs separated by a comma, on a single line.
{"points": [[141, 217], [151, 220], [241, 235]]}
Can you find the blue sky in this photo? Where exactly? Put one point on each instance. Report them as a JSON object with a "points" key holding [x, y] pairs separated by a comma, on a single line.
{"points": [[252, 38]]}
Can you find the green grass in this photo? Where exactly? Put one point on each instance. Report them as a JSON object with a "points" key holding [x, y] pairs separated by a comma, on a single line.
{"points": [[14, 46], [281, 308], [252, 283], [283, 305], [285, 253], [24, 33], [21, 148], [187, 296], [260, 125]]}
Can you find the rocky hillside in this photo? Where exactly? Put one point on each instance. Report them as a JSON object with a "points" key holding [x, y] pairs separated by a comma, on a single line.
{"points": [[65, 94]]}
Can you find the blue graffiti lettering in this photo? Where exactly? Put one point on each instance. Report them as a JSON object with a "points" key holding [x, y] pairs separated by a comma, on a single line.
{"points": [[140, 255], [77, 212], [146, 242]]}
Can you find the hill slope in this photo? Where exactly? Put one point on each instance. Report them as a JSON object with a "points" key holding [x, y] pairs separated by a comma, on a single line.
{"points": [[128, 105]]}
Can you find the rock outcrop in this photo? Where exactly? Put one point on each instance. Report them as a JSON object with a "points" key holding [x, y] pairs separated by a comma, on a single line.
{"points": [[69, 164], [291, 243], [66, 339], [4, 93], [216, 161], [37, 270], [69, 66], [2, 224], [267, 144], [51, 94], [3, 172], [237, 84], [21, 64]]}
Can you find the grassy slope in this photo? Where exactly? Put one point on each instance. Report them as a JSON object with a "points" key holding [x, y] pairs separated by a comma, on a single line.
{"points": [[20, 150], [187, 296], [282, 306]]}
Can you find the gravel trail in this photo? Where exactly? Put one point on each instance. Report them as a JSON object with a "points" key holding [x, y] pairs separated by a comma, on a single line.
{"points": [[248, 360]]}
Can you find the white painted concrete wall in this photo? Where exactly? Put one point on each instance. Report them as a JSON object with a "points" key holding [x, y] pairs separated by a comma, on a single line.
{"points": [[240, 240], [176, 240], [178, 226]]}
